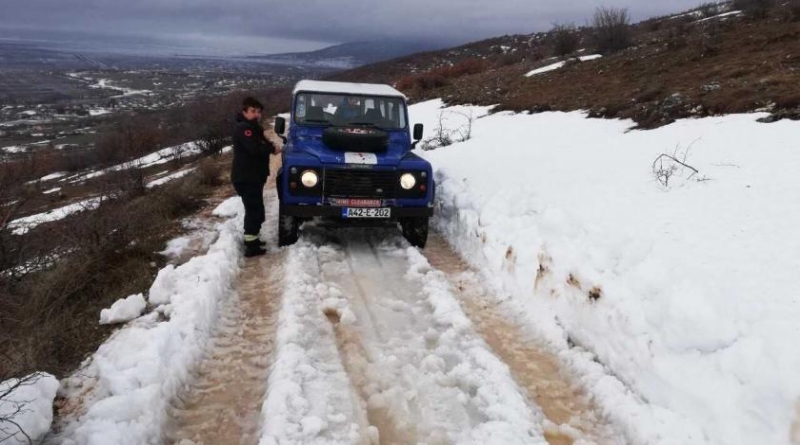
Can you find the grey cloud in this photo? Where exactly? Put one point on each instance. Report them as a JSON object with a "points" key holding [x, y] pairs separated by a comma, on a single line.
{"points": [[315, 21]]}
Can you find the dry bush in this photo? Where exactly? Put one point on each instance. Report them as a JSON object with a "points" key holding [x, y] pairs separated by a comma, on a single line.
{"points": [[509, 59], [441, 76], [792, 11], [209, 173], [676, 36], [83, 263], [129, 139], [612, 30], [211, 126], [707, 10], [756, 9], [565, 39]]}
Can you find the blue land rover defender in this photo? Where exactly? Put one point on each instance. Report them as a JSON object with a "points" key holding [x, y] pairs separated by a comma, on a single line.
{"points": [[348, 157]]}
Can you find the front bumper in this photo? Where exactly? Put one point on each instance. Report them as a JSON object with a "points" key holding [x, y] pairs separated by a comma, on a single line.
{"points": [[310, 211]]}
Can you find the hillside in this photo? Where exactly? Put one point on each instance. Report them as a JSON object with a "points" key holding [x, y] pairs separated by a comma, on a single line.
{"points": [[349, 55], [709, 61]]}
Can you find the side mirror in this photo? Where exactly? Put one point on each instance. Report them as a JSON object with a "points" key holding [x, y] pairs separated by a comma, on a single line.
{"points": [[280, 125], [418, 132]]}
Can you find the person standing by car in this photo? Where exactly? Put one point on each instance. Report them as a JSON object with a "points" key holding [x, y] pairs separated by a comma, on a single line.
{"points": [[249, 171]]}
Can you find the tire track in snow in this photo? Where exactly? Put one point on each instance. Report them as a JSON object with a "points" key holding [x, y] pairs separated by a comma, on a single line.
{"points": [[570, 414], [223, 403], [411, 354]]}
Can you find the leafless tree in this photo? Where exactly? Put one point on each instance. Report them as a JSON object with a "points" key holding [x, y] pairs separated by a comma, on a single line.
{"points": [[565, 39], [757, 9], [612, 30], [444, 136]]}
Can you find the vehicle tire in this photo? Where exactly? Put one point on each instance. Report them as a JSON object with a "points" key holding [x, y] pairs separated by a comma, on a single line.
{"points": [[415, 230], [288, 228]]}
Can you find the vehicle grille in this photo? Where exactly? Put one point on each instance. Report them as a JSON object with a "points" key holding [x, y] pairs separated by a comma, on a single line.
{"points": [[359, 183]]}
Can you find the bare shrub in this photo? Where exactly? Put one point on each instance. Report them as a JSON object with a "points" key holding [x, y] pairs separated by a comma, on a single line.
{"points": [[666, 166], [612, 31], [211, 127], [128, 139], [10, 430], [756, 9], [439, 77], [444, 136], [676, 36], [565, 39], [209, 173], [707, 10], [792, 13]]}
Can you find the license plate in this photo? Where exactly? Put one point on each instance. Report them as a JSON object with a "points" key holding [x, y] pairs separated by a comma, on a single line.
{"points": [[366, 212]]}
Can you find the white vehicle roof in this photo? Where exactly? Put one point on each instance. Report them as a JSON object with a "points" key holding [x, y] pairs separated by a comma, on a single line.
{"points": [[368, 89]]}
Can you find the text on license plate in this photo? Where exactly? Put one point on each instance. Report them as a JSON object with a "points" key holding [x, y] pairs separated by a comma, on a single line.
{"points": [[366, 212]]}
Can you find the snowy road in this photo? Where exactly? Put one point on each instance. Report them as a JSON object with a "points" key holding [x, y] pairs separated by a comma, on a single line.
{"points": [[348, 337], [353, 337]]}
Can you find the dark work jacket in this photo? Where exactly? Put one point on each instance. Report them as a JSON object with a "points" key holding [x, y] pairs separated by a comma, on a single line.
{"points": [[251, 152]]}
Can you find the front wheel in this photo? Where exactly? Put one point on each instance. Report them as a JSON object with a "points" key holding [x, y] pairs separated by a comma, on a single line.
{"points": [[288, 228], [415, 230]]}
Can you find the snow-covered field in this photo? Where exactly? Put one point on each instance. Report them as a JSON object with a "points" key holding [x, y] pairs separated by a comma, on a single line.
{"points": [[665, 293], [686, 293]]}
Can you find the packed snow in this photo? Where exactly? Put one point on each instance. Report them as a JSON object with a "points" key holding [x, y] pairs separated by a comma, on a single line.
{"points": [[557, 65], [28, 407], [129, 381], [21, 226], [686, 292], [123, 310], [404, 347]]}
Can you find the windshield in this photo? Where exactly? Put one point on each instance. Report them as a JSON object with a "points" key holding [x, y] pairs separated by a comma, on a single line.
{"points": [[346, 109]]}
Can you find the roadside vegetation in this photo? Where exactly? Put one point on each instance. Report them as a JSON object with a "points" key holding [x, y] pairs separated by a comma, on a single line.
{"points": [[57, 276]]}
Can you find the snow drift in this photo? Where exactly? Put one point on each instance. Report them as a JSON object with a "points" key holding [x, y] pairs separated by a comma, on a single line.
{"points": [[686, 293]]}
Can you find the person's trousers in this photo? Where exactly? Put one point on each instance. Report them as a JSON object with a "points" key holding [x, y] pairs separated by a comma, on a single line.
{"points": [[252, 194]]}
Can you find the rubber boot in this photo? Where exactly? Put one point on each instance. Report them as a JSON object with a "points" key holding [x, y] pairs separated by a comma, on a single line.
{"points": [[253, 248]]}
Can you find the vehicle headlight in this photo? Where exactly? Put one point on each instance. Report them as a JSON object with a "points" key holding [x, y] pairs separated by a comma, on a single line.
{"points": [[309, 178], [407, 181]]}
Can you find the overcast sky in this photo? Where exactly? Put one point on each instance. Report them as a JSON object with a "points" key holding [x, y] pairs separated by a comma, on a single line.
{"points": [[294, 25]]}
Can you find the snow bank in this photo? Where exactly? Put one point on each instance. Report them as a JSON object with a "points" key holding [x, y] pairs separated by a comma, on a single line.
{"points": [[125, 309], [33, 401], [230, 207], [127, 383], [560, 64], [21, 226], [686, 293]]}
